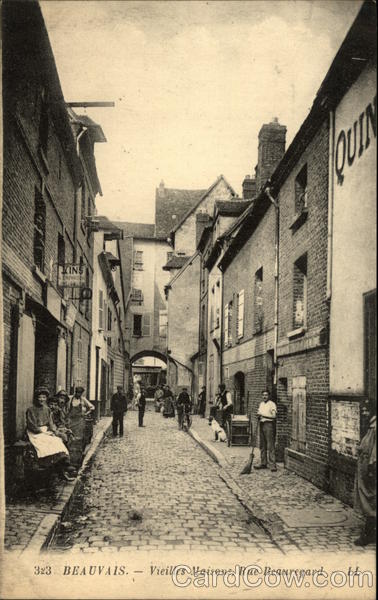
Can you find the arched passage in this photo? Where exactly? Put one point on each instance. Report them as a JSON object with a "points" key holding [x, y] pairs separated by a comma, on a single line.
{"points": [[151, 367]]}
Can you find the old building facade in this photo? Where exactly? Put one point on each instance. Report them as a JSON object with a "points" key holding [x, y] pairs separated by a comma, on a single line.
{"points": [[49, 188]]}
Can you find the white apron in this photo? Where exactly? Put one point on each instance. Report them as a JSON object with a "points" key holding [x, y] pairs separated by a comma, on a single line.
{"points": [[45, 444]]}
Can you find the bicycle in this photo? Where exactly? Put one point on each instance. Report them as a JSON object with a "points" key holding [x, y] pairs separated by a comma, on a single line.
{"points": [[184, 420]]}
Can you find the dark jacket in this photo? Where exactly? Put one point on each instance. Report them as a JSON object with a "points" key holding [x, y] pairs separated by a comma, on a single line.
{"points": [[142, 401], [118, 403], [184, 402]]}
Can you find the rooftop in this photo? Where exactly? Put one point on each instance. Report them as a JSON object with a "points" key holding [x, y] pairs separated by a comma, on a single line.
{"points": [[176, 262], [171, 206], [137, 230]]}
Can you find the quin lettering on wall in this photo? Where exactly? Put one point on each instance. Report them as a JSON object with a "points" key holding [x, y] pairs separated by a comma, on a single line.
{"points": [[350, 145]]}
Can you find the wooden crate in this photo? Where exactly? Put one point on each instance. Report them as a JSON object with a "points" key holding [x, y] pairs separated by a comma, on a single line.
{"points": [[240, 430]]}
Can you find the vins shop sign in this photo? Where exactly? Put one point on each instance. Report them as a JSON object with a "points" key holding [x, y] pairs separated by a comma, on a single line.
{"points": [[71, 275]]}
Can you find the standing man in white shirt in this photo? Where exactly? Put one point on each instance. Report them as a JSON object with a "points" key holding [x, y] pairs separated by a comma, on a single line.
{"points": [[267, 414]]}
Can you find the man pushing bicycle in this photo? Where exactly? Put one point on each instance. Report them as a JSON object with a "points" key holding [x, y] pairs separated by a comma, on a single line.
{"points": [[184, 407]]}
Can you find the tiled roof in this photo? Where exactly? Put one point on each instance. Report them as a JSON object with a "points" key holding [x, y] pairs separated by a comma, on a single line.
{"points": [[105, 224], [192, 209], [231, 207], [171, 206], [137, 230], [176, 262]]}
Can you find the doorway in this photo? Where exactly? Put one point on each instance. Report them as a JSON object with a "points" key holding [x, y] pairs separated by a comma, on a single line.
{"points": [[239, 393]]}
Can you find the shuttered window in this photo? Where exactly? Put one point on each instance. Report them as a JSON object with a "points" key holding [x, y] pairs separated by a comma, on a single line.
{"points": [[138, 260], [226, 325], [100, 309], [146, 325], [240, 315], [163, 323]]}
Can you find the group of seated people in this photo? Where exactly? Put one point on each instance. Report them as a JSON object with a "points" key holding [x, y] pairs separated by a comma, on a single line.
{"points": [[59, 429]]}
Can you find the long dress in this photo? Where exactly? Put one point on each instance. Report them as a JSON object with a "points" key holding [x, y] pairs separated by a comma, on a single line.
{"points": [[78, 426], [365, 498], [169, 407]]}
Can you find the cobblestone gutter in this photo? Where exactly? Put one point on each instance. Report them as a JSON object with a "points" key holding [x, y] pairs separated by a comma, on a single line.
{"points": [[46, 530]]}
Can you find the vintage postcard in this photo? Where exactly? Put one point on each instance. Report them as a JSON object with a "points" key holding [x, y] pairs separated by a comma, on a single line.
{"points": [[188, 299]]}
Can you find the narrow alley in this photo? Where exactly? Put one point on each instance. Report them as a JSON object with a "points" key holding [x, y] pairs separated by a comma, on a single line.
{"points": [[156, 489]]}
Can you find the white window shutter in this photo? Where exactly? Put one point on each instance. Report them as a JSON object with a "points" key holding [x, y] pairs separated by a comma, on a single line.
{"points": [[101, 309], [240, 323], [146, 325], [226, 325]]}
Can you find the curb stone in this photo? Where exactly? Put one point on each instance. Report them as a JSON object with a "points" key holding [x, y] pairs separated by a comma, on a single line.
{"points": [[44, 535], [258, 516]]}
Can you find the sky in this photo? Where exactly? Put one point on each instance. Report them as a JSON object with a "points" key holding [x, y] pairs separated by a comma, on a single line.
{"points": [[192, 83]]}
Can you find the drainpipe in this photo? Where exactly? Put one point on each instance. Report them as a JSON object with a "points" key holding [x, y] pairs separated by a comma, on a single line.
{"points": [[331, 183], [221, 316], [83, 130], [276, 275]]}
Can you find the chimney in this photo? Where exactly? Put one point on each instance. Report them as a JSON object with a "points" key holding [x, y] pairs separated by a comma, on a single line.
{"points": [[249, 188], [161, 189], [272, 137], [202, 221]]}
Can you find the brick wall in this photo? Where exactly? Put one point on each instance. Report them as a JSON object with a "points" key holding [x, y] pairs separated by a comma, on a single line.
{"points": [[252, 354], [305, 355]]}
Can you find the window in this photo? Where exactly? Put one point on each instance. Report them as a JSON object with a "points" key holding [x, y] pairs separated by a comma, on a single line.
{"points": [[203, 325], [301, 190], [137, 325], [79, 358], [136, 297], [300, 292], [101, 309], [228, 324], [110, 319], [146, 325], [138, 260], [61, 257], [105, 314], [163, 323], [298, 417], [83, 205], [169, 256], [258, 301], [61, 250], [39, 230], [89, 212], [217, 304], [87, 285], [240, 315]]}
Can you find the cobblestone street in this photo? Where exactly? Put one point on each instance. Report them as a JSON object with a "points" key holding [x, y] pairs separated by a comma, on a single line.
{"points": [[157, 489]]}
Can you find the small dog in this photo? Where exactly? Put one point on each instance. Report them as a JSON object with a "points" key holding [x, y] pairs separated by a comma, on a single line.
{"points": [[219, 433]]}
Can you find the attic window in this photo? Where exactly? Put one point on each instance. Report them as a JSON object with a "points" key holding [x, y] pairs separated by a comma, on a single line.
{"points": [[301, 190]]}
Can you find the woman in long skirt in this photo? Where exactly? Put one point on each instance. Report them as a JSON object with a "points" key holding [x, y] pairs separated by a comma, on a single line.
{"points": [[78, 410], [48, 448]]}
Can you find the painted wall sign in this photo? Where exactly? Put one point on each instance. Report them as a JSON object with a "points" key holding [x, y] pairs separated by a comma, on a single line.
{"points": [[71, 275], [351, 145]]}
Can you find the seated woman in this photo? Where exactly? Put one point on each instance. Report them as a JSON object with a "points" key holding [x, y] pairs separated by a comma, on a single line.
{"points": [[60, 420], [63, 399], [78, 411], [42, 434]]}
